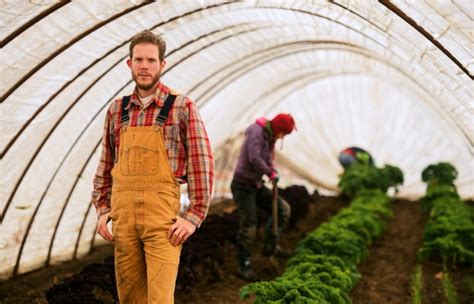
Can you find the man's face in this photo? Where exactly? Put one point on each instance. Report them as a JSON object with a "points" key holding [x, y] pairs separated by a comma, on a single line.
{"points": [[145, 65]]}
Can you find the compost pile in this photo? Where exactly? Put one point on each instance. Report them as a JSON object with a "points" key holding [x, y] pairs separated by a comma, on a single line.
{"points": [[90, 285], [299, 199]]}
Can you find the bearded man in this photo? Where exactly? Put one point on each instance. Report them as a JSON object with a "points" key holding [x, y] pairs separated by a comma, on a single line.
{"points": [[153, 141]]}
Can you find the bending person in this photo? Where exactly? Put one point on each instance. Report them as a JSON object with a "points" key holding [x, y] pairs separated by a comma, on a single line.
{"points": [[249, 192], [352, 155]]}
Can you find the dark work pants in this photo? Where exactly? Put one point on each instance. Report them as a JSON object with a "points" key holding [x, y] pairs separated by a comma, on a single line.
{"points": [[248, 199]]}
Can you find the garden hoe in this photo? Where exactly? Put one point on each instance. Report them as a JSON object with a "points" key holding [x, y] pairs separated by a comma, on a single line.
{"points": [[275, 211], [273, 260]]}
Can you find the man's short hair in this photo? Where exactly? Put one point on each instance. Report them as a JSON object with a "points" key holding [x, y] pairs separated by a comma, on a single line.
{"points": [[149, 37]]}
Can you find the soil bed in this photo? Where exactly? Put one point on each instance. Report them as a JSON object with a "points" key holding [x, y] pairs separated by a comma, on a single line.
{"points": [[387, 271], [31, 287], [462, 277]]}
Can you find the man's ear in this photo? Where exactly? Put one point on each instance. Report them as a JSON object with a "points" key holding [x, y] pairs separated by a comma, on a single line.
{"points": [[163, 64], [129, 62]]}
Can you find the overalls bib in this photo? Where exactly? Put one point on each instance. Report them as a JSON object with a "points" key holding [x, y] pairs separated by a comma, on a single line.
{"points": [[145, 203]]}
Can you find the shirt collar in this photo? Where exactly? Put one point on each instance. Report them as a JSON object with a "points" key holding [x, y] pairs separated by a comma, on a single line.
{"points": [[159, 95]]}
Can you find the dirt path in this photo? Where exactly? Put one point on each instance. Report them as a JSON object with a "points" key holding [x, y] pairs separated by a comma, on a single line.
{"points": [[227, 290], [461, 276], [387, 271]]}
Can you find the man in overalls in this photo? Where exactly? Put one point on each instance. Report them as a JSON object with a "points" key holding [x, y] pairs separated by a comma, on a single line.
{"points": [[153, 140]]}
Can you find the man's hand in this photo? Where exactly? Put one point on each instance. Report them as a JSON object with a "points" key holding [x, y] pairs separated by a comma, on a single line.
{"points": [[102, 229], [274, 176], [180, 231]]}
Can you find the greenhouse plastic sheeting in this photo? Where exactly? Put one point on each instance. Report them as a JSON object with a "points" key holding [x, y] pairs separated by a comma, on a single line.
{"points": [[393, 77]]}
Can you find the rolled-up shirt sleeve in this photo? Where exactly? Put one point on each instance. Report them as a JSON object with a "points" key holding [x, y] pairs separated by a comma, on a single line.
{"points": [[200, 164], [103, 179]]}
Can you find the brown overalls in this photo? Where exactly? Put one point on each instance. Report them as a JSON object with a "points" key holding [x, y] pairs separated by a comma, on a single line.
{"points": [[145, 203]]}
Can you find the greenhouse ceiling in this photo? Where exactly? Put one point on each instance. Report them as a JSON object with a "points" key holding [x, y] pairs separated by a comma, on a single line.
{"points": [[394, 77]]}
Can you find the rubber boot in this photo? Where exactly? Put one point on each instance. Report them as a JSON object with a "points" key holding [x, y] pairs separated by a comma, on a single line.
{"points": [[245, 271]]}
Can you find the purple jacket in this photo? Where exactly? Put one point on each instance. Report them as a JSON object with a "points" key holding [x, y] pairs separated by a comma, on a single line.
{"points": [[255, 158]]}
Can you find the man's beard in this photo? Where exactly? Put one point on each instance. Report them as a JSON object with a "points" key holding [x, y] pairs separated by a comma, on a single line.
{"points": [[148, 85]]}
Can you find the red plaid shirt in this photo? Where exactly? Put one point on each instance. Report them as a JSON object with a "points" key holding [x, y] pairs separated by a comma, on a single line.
{"points": [[187, 147]]}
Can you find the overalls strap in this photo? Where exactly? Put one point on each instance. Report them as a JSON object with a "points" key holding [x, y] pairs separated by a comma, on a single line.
{"points": [[125, 101], [163, 115]]}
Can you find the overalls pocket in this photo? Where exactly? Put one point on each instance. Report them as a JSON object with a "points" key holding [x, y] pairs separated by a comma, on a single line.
{"points": [[140, 159]]}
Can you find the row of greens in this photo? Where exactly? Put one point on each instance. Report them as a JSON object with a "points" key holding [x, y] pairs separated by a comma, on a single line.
{"points": [[324, 268], [362, 176], [449, 232]]}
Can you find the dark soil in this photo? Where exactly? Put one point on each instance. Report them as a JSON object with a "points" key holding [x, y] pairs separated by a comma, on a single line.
{"points": [[387, 271], [31, 287], [461, 276]]}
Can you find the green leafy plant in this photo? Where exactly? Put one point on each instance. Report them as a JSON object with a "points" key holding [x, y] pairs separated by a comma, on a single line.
{"points": [[449, 290], [438, 191], [324, 268], [362, 157], [442, 173], [416, 285], [393, 177], [449, 232], [361, 176]]}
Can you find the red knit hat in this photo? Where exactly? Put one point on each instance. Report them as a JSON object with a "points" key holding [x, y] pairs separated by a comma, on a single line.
{"points": [[283, 123]]}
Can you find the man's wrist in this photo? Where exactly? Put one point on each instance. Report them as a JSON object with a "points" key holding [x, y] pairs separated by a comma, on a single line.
{"points": [[192, 219], [102, 212]]}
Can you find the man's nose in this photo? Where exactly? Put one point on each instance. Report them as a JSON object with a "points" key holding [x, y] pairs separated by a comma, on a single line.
{"points": [[143, 65]]}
